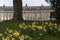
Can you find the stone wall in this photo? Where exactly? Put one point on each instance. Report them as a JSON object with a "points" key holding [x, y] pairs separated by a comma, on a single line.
{"points": [[6, 15], [36, 15]]}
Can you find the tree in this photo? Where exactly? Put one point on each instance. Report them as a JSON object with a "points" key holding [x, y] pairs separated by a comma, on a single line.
{"points": [[17, 5], [56, 5]]}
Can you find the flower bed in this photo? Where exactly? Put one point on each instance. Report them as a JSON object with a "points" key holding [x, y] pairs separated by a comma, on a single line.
{"points": [[31, 31]]}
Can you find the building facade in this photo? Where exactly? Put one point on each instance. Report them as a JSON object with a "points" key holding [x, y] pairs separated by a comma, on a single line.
{"points": [[38, 13], [34, 13]]}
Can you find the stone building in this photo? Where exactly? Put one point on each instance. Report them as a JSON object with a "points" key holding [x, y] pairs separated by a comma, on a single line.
{"points": [[36, 13], [6, 13]]}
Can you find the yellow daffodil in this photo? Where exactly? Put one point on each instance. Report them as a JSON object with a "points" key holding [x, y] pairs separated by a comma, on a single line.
{"points": [[16, 34], [25, 27], [26, 36], [13, 38], [51, 28], [46, 23], [29, 25], [7, 38], [10, 31], [44, 26], [55, 24], [58, 29], [34, 23], [3, 38], [40, 27], [10, 35], [1, 34], [5, 32], [50, 24], [21, 26], [21, 37], [7, 29], [45, 30], [41, 34], [23, 23]]}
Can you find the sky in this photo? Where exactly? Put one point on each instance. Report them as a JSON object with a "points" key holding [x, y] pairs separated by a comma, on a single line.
{"points": [[24, 2]]}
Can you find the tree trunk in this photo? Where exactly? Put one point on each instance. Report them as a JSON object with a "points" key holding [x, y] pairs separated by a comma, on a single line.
{"points": [[17, 4]]}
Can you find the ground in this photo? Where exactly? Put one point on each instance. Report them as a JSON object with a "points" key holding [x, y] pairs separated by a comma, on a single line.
{"points": [[29, 30]]}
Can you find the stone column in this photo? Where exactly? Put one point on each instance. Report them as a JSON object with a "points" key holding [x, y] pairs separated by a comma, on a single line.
{"points": [[8, 15], [2, 16]]}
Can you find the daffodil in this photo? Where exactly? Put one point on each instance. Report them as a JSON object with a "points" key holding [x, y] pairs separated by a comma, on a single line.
{"points": [[1, 34], [5, 32], [41, 34], [7, 29], [50, 28], [3, 38], [58, 29], [13, 38], [21, 26], [25, 27], [16, 34], [34, 23], [23, 23], [44, 26], [40, 27], [7, 38], [46, 23], [45, 30], [10, 31], [55, 27], [50, 24], [55, 24], [29, 25], [21, 37], [33, 28], [26, 36], [10, 35]]}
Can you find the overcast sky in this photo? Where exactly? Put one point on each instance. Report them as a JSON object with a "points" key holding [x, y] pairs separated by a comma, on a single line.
{"points": [[28, 2]]}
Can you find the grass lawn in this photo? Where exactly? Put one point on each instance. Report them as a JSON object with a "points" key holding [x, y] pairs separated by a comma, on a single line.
{"points": [[15, 27]]}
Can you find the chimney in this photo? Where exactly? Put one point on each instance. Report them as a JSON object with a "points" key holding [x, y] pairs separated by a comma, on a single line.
{"points": [[4, 6], [42, 5], [26, 5]]}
